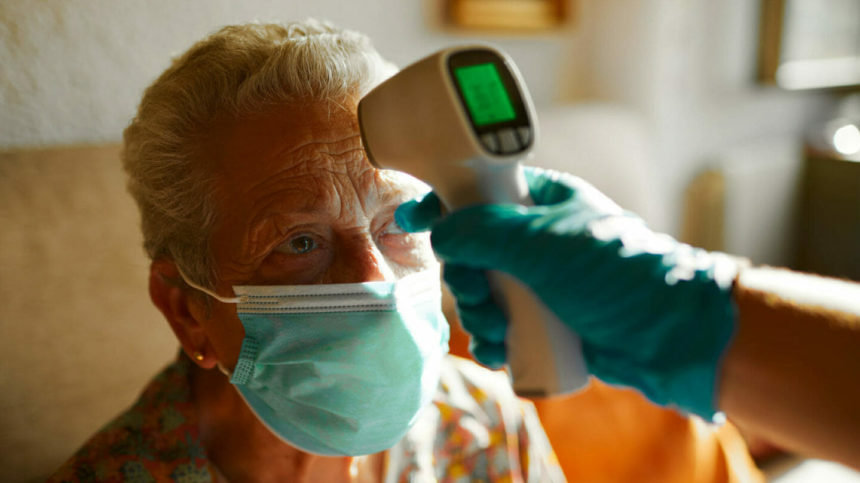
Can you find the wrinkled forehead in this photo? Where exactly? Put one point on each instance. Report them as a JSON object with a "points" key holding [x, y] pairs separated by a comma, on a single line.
{"points": [[318, 173], [293, 165], [315, 144]]}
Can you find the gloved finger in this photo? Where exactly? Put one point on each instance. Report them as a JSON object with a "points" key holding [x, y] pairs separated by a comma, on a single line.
{"points": [[468, 285], [548, 187], [479, 236], [478, 313], [485, 321], [419, 214], [489, 354]]}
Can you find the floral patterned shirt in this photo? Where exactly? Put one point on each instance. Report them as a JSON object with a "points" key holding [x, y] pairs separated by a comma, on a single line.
{"points": [[475, 430]]}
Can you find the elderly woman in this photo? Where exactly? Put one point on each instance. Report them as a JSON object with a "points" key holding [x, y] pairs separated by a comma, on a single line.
{"points": [[313, 342]]}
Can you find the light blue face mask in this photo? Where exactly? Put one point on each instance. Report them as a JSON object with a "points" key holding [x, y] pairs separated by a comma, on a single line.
{"points": [[340, 369]]}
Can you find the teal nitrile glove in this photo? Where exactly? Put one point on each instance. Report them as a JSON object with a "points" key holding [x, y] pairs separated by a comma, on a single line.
{"points": [[652, 313]]}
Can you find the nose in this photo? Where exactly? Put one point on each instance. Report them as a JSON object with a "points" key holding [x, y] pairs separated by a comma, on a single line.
{"points": [[358, 260]]}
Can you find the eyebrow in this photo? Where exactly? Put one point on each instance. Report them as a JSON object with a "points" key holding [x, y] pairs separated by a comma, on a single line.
{"points": [[388, 195], [284, 220], [309, 212]]}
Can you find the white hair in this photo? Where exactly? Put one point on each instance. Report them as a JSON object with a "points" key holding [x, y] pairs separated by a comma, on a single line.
{"points": [[236, 71]]}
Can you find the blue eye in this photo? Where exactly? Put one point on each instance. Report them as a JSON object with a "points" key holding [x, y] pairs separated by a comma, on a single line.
{"points": [[302, 244]]}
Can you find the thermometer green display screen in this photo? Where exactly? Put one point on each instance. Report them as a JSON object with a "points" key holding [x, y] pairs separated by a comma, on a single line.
{"points": [[486, 98]]}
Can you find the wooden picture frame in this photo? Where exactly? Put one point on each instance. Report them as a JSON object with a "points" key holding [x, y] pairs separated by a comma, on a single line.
{"points": [[506, 15]]}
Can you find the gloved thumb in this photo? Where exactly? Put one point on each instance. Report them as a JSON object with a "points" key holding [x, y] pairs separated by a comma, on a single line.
{"points": [[419, 214], [480, 236]]}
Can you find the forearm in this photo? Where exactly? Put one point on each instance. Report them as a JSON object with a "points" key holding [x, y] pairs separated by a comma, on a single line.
{"points": [[792, 372]]}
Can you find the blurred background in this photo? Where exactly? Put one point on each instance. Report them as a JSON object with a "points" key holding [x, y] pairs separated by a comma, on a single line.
{"points": [[732, 125]]}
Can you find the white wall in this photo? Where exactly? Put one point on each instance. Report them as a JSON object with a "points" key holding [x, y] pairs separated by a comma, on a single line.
{"points": [[689, 67], [73, 70]]}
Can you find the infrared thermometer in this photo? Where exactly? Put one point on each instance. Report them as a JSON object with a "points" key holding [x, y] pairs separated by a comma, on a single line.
{"points": [[462, 121]]}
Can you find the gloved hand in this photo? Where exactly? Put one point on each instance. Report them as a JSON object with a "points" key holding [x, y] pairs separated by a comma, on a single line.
{"points": [[652, 313]]}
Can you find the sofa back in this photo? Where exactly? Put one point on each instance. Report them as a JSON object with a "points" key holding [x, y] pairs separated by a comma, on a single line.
{"points": [[78, 335]]}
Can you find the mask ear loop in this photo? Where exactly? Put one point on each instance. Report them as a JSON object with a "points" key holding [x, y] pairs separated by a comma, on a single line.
{"points": [[224, 370], [226, 300]]}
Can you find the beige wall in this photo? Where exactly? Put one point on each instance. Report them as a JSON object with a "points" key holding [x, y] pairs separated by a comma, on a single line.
{"points": [[78, 335]]}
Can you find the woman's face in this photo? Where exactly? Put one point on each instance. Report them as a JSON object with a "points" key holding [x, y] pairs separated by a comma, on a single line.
{"points": [[297, 202]]}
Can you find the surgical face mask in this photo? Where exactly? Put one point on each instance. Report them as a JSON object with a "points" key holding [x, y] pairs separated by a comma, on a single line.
{"points": [[340, 369]]}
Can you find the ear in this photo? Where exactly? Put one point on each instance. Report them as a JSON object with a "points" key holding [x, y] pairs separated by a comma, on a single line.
{"points": [[173, 300]]}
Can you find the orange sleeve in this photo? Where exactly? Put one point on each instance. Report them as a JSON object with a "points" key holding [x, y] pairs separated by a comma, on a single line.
{"points": [[609, 434]]}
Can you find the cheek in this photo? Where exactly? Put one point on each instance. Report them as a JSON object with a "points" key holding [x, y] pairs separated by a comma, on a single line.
{"points": [[409, 253]]}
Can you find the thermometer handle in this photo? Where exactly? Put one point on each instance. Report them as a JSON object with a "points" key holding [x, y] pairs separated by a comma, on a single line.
{"points": [[544, 355]]}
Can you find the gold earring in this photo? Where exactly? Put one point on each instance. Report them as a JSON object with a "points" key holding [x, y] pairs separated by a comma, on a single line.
{"points": [[198, 356]]}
